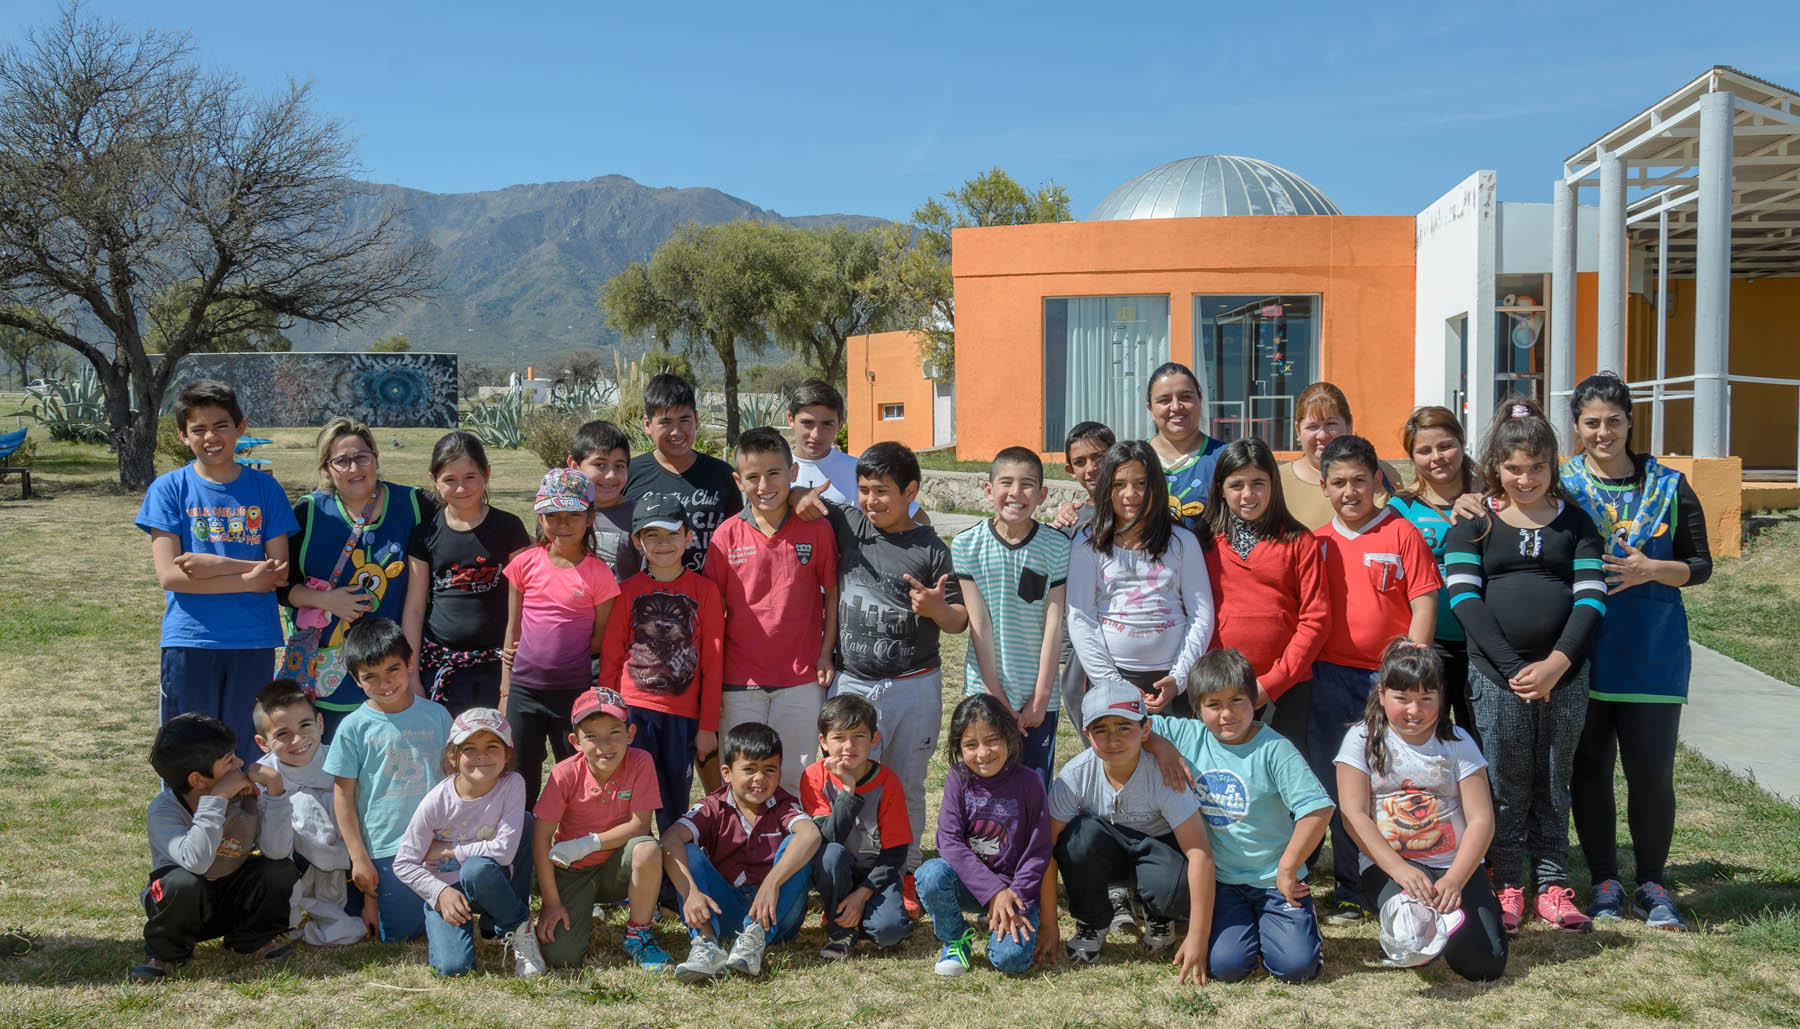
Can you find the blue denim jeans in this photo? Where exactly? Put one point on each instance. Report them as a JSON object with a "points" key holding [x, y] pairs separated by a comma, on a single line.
{"points": [[943, 895], [1254, 924], [493, 891], [734, 903], [1040, 747]]}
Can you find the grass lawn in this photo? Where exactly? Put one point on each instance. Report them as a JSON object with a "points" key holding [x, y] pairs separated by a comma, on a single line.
{"points": [[1750, 609], [79, 615]]}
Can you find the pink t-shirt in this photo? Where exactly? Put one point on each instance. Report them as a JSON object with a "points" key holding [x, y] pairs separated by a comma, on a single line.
{"points": [[579, 805], [556, 619]]}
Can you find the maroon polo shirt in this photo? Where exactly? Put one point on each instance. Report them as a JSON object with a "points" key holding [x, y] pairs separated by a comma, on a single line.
{"points": [[742, 853]]}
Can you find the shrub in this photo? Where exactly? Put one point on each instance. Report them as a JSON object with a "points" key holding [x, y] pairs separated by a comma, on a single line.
{"points": [[547, 432], [168, 442]]}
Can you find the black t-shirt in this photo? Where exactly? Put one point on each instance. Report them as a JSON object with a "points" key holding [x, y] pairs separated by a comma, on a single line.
{"points": [[706, 490], [1521, 593], [612, 540], [468, 593], [879, 636]]}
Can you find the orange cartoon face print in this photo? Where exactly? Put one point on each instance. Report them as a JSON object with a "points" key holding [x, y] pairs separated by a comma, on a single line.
{"points": [[1413, 820]]}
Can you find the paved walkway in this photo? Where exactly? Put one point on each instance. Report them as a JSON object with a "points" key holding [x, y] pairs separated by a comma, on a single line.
{"points": [[949, 523], [1745, 720]]}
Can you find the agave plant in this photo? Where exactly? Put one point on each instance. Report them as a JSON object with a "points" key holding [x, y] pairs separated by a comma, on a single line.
{"points": [[756, 410], [75, 411], [584, 397], [498, 422]]}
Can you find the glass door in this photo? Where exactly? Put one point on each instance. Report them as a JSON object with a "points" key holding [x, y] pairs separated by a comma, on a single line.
{"points": [[1256, 353], [1098, 356]]}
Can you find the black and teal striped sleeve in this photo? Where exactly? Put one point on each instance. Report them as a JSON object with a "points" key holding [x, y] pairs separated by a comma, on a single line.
{"points": [[1588, 589], [1464, 578]]}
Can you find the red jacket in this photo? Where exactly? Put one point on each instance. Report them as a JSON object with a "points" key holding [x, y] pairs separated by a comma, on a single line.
{"points": [[1272, 607]]}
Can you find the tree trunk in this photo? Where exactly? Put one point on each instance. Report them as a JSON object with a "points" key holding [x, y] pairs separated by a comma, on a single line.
{"points": [[727, 348], [136, 443]]}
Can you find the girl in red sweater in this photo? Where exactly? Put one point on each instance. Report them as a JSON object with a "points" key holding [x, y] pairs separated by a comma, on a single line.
{"points": [[1268, 564]]}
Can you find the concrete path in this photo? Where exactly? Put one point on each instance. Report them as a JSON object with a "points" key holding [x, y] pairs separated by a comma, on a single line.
{"points": [[1744, 720], [949, 523]]}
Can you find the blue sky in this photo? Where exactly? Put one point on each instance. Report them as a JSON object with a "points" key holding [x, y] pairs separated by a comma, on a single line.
{"points": [[866, 108]]}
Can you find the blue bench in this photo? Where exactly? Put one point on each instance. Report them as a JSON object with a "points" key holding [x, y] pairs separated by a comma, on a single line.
{"points": [[9, 445]]}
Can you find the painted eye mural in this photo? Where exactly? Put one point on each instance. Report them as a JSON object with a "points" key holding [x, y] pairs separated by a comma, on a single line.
{"points": [[390, 390]]}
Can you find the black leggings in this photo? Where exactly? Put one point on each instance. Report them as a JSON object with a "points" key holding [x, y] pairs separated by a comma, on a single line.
{"points": [[1477, 949], [537, 717], [1455, 655], [1642, 736]]}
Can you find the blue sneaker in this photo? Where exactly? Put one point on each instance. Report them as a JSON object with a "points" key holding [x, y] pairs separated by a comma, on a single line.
{"points": [[643, 949], [1608, 900], [1657, 908]]}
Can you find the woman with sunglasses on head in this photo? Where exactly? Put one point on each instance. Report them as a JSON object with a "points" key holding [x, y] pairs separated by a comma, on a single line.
{"points": [[349, 559]]}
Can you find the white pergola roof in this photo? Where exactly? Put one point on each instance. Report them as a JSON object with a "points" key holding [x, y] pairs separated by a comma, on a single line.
{"points": [[1660, 149]]}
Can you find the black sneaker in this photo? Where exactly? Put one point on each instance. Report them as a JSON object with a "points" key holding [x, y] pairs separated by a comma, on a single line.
{"points": [[1158, 934], [839, 944], [1123, 919], [1085, 945], [153, 970]]}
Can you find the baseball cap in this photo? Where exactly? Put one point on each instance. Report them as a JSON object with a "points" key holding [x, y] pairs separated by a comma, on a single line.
{"points": [[1413, 932], [563, 489], [598, 701], [480, 719], [660, 511], [1114, 698]]}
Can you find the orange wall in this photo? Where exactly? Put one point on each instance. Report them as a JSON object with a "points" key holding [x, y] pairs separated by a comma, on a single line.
{"points": [[1362, 266], [883, 368]]}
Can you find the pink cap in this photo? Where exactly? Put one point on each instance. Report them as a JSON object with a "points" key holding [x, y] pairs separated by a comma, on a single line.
{"points": [[598, 701]]}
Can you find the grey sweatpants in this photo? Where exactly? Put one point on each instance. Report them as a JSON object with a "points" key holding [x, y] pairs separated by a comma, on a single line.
{"points": [[1530, 752], [911, 711]]}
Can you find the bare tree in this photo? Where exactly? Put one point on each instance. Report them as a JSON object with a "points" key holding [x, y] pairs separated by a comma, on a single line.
{"points": [[125, 170]]}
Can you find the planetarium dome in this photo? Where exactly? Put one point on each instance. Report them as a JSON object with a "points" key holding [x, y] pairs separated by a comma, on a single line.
{"points": [[1212, 185]]}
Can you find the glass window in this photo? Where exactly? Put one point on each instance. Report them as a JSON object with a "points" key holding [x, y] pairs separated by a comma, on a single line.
{"points": [[1098, 356], [1254, 354], [1520, 318], [893, 412]]}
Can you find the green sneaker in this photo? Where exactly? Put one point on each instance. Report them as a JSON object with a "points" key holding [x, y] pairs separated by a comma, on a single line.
{"points": [[953, 960]]}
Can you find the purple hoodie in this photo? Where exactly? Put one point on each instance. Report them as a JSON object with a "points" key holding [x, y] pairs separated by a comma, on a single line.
{"points": [[996, 832]]}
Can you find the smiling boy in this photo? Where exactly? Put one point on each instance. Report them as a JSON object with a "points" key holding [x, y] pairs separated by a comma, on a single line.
{"points": [[591, 842], [702, 484], [288, 729], [601, 451], [219, 540]]}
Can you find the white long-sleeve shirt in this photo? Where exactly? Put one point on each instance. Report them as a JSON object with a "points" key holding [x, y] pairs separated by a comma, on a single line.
{"points": [[1130, 613], [316, 836], [489, 826], [214, 839]]}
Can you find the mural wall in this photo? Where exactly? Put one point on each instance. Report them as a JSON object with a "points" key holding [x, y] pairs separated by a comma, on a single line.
{"points": [[384, 390]]}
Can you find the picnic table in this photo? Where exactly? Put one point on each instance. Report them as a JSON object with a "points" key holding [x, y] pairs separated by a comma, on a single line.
{"points": [[9, 445], [248, 443]]}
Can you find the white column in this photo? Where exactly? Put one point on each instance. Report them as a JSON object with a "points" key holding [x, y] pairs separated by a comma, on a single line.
{"points": [[1712, 280], [1562, 311], [1609, 343]]}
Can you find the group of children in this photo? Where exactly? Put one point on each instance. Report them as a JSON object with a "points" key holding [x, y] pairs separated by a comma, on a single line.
{"points": [[775, 624]]}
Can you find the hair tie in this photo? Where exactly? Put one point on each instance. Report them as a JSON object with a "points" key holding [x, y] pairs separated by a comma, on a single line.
{"points": [[1608, 373], [1520, 410]]}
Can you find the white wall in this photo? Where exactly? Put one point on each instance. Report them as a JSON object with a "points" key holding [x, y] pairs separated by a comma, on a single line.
{"points": [[1525, 242], [1455, 254]]}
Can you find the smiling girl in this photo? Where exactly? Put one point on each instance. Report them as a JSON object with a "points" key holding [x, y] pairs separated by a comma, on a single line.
{"points": [[1526, 583]]}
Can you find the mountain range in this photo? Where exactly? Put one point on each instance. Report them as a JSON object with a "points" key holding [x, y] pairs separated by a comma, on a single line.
{"points": [[520, 268]]}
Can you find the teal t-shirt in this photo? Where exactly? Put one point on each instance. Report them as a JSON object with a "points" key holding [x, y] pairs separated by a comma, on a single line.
{"points": [[1250, 795], [1432, 525], [395, 760]]}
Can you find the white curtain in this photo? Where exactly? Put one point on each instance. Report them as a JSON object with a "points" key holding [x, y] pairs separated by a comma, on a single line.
{"points": [[1111, 347]]}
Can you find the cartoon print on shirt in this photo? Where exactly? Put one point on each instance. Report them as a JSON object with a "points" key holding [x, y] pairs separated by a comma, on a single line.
{"points": [[663, 656], [987, 838], [1413, 820], [371, 574]]}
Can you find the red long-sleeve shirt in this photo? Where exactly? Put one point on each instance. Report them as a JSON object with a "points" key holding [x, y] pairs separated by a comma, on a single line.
{"points": [[665, 646], [1272, 607]]}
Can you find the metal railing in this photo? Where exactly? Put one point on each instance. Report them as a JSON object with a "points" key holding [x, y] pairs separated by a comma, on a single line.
{"points": [[1656, 393]]}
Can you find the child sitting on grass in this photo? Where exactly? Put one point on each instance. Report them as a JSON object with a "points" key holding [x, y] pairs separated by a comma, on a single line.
{"points": [[739, 859], [461, 849], [993, 839], [860, 808], [1265, 812], [288, 729], [591, 842], [205, 879]]}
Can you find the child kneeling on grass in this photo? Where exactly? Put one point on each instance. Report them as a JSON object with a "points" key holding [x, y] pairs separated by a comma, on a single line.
{"points": [[289, 729], [1265, 812], [205, 882], [591, 842], [461, 849], [993, 838], [739, 860]]}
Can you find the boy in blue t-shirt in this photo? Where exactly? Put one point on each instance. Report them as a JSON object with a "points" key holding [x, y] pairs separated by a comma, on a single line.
{"points": [[1265, 812], [218, 535], [386, 757]]}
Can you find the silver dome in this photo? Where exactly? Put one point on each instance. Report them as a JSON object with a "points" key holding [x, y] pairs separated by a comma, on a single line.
{"points": [[1212, 185]]}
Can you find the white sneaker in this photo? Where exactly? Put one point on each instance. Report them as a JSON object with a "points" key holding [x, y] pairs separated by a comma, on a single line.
{"points": [[1158, 934], [747, 951], [528, 960], [705, 960]]}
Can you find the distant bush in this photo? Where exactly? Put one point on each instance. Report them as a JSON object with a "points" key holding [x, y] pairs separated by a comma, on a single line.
{"points": [[547, 432]]}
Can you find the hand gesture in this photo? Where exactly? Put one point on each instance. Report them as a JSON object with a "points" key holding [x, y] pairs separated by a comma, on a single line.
{"points": [[1067, 516], [1169, 762], [1292, 886], [1622, 573], [762, 906], [808, 505], [928, 601], [266, 776], [697, 910], [506, 659], [452, 905], [265, 575], [231, 784], [1537, 679], [1191, 960], [1449, 896], [191, 564], [552, 913], [1159, 701], [1469, 505]]}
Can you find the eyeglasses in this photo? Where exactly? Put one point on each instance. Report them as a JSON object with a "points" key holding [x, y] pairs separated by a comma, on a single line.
{"points": [[360, 459]]}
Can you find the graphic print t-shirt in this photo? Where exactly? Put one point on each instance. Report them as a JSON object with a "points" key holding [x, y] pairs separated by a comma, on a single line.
{"points": [[1418, 803], [707, 492], [468, 592], [879, 636], [612, 540], [664, 646]]}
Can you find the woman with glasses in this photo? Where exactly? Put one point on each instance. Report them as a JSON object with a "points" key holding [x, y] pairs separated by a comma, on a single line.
{"points": [[349, 560]]}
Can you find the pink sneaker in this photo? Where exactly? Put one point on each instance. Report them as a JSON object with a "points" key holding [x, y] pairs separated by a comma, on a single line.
{"points": [[1512, 908], [1556, 905]]}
